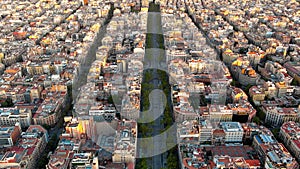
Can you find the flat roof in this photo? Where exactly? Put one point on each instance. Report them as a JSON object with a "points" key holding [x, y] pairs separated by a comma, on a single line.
{"points": [[231, 126]]}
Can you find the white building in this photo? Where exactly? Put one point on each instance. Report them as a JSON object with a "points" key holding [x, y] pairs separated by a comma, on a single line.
{"points": [[205, 131], [276, 116], [107, 112], [9, 135], [234, 132], [10, 116]]}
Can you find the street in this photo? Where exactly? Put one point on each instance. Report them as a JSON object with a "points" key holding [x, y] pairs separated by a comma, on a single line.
{"points": [[154, 60]]}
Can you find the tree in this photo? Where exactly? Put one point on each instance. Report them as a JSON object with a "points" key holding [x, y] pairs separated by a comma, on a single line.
{"points": [[256, 120], [7, 103], [153, 7], [142, 164], [51, 146], [275, 132], [247, 88], [233, 83], [294, 82], [110, 100], [203, 101], [42, 162], [260, 114], [4, 104], [46, 126], [172, 160], [70, 93]]}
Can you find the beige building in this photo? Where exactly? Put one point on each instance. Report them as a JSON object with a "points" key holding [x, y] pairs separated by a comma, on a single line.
{"points": [[183, 110], [270, 90], [282, 88], [81, 128], [34, 69], [257, 94], [233, 132], [9, 135], [219, 113], [47, 119], [35, 92]]}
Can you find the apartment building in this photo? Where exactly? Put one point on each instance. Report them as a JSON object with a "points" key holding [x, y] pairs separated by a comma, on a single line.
{"points": [[188, 131], [9, 135], [25, 153], [10, 116], [290, 135], [125, 142], [273, 154], [219, 113], [205, 131], [233, 132], [276, 116], [257, 94]]}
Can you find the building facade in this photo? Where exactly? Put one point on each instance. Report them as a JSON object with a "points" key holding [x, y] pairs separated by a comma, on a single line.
{"points": [[290, 135], [10, 116], [276, 116], [233, 132]]}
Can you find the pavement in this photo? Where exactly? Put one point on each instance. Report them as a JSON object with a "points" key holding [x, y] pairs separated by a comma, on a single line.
{"points": [[87, 62], [154, 23], [154, 59]]}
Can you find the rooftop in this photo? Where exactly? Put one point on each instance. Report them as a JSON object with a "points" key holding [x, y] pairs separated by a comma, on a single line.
{"points": [[6, 132], [126, 136], [231, 126], [293, 130], [192, 156]]}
